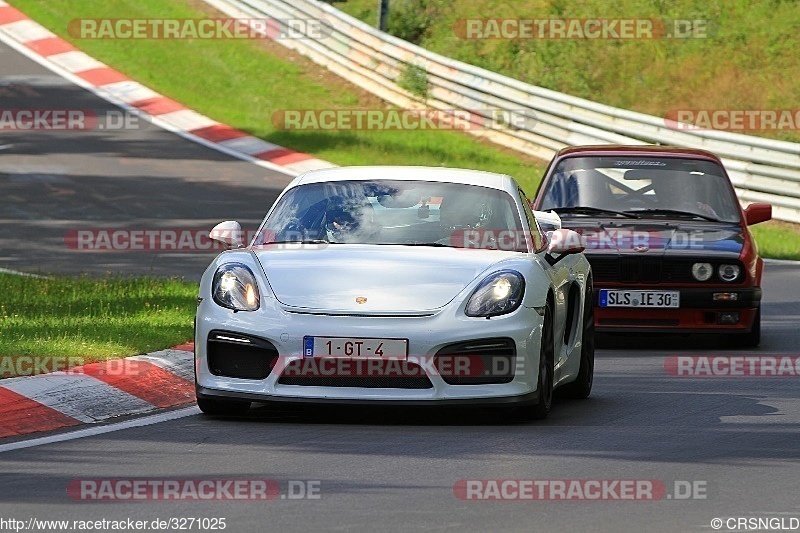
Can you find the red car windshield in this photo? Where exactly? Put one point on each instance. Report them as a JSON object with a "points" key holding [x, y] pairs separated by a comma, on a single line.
{"points": [[641, 186]]}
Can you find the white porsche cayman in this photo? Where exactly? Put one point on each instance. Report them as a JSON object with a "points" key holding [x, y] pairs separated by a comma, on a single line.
{"points": [[407, 285]]}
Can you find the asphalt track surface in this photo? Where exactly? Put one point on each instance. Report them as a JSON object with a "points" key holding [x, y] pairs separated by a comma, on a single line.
{"points": [[55, 183], [379, 469]]}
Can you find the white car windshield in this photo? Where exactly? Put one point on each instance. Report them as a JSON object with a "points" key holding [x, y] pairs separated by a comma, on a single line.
{"points": [[388, 212], [641, 187]]}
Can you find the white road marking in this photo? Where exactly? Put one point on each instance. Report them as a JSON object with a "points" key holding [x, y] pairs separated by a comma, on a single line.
{"points": [[249, 145], [100, 430], [27, 30], [75, 61], [178, 362], [781, 261], [130, 91], [188, 120], [107, 96], [309, 164], [24, 274], [80, 396]]}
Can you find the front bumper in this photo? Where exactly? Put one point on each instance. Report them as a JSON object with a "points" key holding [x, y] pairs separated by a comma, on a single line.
{"points": [[426, 336], [698, 312], [500, 401]]}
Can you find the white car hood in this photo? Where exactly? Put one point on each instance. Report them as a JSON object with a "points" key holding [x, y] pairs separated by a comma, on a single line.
{"points": [[393, 279]]}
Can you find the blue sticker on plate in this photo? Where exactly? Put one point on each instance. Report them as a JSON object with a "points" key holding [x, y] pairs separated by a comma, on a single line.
{"points": [[604, 298], [308, 346]]}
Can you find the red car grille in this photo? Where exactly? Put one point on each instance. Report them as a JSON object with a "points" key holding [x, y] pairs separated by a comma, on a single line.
{"points": [[643, 270]]}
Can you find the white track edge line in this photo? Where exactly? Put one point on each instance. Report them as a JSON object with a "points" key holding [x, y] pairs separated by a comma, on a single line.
{"points": [[100, 430], [43, 61]]}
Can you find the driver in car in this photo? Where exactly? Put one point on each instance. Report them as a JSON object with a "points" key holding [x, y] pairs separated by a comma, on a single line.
{"points": [[348, 220]]}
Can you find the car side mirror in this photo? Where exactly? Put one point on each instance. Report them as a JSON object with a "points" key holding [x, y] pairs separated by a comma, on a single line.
{"points": [[565, 242], [228, 233], [755, 213], [548, 220]]}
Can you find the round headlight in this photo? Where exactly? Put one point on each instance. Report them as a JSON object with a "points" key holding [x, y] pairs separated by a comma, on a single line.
{"points": [[702, 271], [235, 287], [728, 272], [498, 294]]}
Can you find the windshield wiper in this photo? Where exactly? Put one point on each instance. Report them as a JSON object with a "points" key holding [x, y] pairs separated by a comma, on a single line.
{"points": [[675, 212], [434, 244], [586, 210], [301, 241]]}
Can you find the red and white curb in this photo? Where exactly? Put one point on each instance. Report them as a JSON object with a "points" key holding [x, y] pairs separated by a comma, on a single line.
{"points": [[44, 47], [97, 392], [101, 391]]}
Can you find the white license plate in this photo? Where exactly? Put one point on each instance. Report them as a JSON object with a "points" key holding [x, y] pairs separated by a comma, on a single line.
{"points": [[355, 347], [625, 298]]}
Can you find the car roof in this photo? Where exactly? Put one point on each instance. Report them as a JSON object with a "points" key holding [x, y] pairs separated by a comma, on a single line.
{"points": [[636, 150], [409, 173]]}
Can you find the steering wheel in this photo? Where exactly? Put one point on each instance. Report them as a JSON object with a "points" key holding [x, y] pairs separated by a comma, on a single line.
{"points": [[292, 231]]}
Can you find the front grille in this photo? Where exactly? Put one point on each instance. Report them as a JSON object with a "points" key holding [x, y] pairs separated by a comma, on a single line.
{"points": [[653, 322], [479, 362], [633, 270], [604, 269], [235, 355], [649, 270], [352, 373]]}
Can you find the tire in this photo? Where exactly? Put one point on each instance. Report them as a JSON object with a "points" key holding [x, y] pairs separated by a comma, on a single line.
{"points": [[544, 383], [582, 386], [222, 407], [753, 338]]}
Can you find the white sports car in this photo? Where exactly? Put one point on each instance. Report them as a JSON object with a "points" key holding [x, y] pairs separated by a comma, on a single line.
{"points": [[387, 285]]}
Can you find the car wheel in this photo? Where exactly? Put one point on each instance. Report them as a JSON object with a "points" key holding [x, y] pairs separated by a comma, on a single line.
{"points": [[544, 385], [222, 407], [753, 338], [582, 386]]}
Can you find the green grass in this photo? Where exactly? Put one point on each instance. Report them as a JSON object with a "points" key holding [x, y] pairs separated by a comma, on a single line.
{"points": [[238, 82], [743, 63], [777, 240], [92, 319]]}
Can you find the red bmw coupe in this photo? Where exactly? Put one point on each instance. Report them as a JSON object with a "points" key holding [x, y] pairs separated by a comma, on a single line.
{"points": [[666, 237]]}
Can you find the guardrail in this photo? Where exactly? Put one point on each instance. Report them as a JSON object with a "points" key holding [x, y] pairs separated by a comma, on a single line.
{"points": [[762, 170]]}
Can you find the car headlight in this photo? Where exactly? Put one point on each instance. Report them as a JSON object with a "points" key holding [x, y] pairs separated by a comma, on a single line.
{"points": [[235, 287], [728, 272], [702, 271], [498, 294]]}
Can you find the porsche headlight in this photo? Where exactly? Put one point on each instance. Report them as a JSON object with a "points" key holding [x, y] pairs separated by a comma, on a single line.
{"points": [[498, 294], [235, 287], [702, 271], [728, 272]]}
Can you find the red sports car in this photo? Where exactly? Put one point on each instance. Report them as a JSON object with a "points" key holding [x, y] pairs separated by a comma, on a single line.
{"points": [[666, 237]]}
